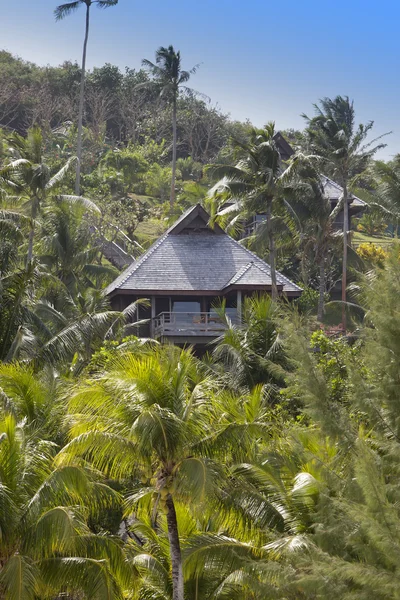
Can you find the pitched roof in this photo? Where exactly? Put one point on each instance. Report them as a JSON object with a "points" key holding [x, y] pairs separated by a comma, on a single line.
{"points": [[192, 256], [333, 191], [251, 274]]}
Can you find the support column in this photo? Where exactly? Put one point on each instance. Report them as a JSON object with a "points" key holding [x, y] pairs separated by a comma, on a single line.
{"points": [[239, 305], [153, 315]]}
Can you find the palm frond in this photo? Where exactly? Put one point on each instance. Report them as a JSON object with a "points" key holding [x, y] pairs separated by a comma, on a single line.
{"points": [[19, 578], [80, 201], [60, 175], [64, 10]]}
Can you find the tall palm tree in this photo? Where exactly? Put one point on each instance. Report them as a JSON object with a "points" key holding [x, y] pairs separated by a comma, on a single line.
{"points": [[314, 219], [150, 419], [169, 78], [333, 135], [257, 181], [62, 11]]}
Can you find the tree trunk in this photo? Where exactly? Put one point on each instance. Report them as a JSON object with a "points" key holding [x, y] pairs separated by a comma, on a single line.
{"points": [[321, 299], [344, 267], [272, 261], [81, 104], [34, 211], [30, 244], [175, 550], [174, 141]]}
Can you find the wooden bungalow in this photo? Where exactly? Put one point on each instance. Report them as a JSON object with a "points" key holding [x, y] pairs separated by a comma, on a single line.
{"points": [[186, 274]]}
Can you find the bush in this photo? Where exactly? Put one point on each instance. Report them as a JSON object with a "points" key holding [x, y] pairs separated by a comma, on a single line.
{"points": [[372, 253], [372, 224], [308, 301]]}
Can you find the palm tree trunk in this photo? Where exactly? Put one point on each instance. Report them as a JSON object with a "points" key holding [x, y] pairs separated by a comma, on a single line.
{"points": [[30, 244], [81, 103], [174, 141], [344, 266], [175, 550], [321, 299], [272, 261], [34, 210]]}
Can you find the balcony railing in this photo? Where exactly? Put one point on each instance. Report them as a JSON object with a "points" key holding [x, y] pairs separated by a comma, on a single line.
{"points": [[188, 324]]}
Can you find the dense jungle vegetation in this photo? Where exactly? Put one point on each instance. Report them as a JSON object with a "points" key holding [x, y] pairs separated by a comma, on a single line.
{"points": [[268, 468]]}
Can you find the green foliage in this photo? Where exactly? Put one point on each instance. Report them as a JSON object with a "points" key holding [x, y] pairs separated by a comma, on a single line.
{"points": [[269, 468], [372, 223], [308, 300], [253, 354], [158, 182]]}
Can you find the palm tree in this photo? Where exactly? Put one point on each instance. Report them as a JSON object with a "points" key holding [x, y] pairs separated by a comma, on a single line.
{"points": [[211, 562], [46, 545], [151, 440], [257, 181], [17, 297], [314, 219], [252, 353], [386, 196], [62, 11], [169, 78], [68, 250], [150, 419], [333, 135], [32, 176]]}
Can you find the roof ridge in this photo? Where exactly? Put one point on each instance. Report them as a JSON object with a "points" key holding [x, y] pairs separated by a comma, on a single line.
{"points": [[351, 196], [239, 274], [285, 279], [183, 216], [332, 181]]}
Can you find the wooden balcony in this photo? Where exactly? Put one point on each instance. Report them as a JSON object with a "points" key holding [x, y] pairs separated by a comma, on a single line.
{"points": [[188, 325]]}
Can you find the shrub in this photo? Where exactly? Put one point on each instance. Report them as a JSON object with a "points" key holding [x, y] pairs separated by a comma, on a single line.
{"points": [[372, 224], [372, 253]]}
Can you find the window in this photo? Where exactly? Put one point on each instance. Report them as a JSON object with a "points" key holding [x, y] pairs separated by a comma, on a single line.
{"points": [[186, 306]]}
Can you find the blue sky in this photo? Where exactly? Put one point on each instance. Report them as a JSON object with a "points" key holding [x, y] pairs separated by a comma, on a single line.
{"points": [[261, 60]]}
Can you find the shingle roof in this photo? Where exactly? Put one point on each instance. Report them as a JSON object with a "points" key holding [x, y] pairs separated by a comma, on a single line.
{"points": [[333, 191], [251, 274], [200, 259]]}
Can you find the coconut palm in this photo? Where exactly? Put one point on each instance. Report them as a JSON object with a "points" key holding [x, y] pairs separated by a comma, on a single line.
{"points": [[31, 397], [314, 220], [169, 78], [333, 135], [386, 197], [43, 324], [62, 11], [46, 545], [13, 227], [33, 179], [17, 297], [213, 564], [151, 438], [257, 182], [68, 250], [150, 418]]}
